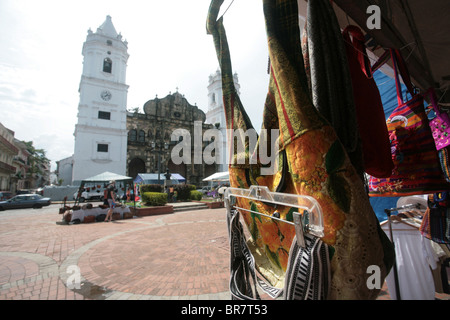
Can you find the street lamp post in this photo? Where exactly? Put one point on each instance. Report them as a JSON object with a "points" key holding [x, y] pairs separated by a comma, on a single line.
{"points": [[158, 147]]}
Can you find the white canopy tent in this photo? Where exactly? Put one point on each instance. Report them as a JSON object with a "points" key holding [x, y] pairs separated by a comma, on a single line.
{"points": [[105, 177], [218, 176]]}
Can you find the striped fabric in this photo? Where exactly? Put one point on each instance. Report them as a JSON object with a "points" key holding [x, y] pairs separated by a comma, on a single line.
{"points": [[307, 276], [308, 273], [242, 274]]}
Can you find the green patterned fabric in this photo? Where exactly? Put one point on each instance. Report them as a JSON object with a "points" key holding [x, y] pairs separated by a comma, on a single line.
{"points": [[330, 80]]}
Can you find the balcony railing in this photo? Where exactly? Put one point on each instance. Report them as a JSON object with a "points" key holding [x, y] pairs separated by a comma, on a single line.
{"points": [[20, 160], [6, 167], [5, 144]]}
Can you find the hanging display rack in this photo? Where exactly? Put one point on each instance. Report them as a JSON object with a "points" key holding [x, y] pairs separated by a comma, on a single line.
{"points": [[308, 218]]}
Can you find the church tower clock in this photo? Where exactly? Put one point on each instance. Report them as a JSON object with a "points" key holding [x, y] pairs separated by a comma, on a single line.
{"points": [[101, 133]]}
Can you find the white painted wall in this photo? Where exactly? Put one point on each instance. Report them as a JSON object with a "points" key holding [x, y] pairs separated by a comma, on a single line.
{"points": [[91, 130]]}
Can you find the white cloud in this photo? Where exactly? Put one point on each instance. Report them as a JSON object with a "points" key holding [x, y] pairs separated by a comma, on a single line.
{"points": [[41, 61]]}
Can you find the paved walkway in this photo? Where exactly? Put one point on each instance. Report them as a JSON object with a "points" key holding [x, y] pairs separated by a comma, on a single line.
{"points": [[179, 256], [175, 256]]}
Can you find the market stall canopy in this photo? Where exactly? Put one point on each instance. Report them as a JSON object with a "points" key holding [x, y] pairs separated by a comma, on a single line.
{"points": [[419, 29], [106, 177], [218, 176], [152, 178]]}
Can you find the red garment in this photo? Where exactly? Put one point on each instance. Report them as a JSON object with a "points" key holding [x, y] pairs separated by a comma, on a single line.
{"points": [[369, 108]]}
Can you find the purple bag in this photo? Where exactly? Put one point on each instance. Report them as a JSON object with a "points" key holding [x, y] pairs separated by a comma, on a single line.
{"points": [[440, 126]]}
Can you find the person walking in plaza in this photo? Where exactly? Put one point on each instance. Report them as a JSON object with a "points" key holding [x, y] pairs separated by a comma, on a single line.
{"points": [[111, 200]]}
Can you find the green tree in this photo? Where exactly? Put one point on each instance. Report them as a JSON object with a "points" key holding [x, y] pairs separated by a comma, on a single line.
{"points": [[37, 159]]}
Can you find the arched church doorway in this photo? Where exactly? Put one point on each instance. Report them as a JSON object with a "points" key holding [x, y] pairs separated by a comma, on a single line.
{"points": [[135, 167]]}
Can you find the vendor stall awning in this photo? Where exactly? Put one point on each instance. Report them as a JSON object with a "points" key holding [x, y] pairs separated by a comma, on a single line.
{"points": [[106, 177], [218, 176], [152, 178]]}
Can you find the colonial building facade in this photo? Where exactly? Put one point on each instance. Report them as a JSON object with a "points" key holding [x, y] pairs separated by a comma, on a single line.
{"points": [[8, 151], [150, 142], [16, 171]]}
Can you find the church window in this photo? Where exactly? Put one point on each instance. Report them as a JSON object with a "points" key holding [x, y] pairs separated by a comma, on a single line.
{"points": [[133, 135], [109, 42], [213, 98], [107, 65], [104, 115], [101, 147], [141, 136]]}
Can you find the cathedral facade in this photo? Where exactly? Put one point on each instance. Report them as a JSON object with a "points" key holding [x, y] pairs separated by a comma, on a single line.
{"points": [[151, 144], [110, 138]]}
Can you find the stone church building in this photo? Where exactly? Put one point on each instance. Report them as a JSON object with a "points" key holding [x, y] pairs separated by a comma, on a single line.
{"points": [[149, 138]]}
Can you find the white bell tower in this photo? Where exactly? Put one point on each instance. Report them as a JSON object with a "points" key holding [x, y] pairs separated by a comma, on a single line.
{"points": [[216, 113], [101, 130]]}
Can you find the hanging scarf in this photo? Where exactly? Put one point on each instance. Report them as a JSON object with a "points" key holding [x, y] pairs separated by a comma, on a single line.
{"points": [[312, 162], [330, 79]]}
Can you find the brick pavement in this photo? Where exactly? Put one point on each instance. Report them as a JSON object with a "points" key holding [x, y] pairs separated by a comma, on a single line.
{"points": [[175, 256], [184, 255]]}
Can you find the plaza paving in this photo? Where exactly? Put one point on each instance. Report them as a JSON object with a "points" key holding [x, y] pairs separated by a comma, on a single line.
{"points": [[178, 256], [174, 256]]}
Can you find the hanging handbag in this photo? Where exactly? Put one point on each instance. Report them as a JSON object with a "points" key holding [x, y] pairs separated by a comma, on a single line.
{"points": [[311, 162], [417, 169], [440, 125], [369, 107]]}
